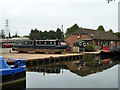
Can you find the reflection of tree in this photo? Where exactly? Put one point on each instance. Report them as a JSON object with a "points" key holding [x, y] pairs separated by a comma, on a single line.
{"points": [[110, 0]]}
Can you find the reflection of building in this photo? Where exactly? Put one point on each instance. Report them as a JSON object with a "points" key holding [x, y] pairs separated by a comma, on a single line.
{"points": [[84, 70], [87, 65], [95, 37]]}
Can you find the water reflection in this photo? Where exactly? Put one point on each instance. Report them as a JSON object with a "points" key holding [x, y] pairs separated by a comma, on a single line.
{"points": [[84, 67], [20, 83]]}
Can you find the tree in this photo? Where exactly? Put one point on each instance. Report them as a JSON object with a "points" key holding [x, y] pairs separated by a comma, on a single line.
{"points": [[9, 35], [111, 31], [101, 28], [59, 34], [52, 34], [109, 0], [2, 34], [118, 34], [16, 35], [26, 36], [71, 29], [45, 35], [34, 34]]}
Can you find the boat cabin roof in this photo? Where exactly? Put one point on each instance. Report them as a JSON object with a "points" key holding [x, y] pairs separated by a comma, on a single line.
{"points": [[47, 40], [3, 64]]}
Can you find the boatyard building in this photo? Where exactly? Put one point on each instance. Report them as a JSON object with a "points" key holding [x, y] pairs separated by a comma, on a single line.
{"points": [[97, 38]]}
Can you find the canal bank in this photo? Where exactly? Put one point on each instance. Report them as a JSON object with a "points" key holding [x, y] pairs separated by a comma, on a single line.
{"points": [[68, 73], [39, 58]]}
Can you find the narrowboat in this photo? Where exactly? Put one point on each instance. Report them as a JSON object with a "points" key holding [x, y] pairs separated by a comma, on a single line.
{"points": [[46, 46], [10, 73], [107, 50]]}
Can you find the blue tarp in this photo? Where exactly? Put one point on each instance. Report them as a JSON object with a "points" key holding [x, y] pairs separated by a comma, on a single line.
{"points": [[3, 64], [6, 70]]}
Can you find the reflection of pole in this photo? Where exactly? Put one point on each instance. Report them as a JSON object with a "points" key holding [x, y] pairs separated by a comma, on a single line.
{"points": [[62, 70], [44, 74]]}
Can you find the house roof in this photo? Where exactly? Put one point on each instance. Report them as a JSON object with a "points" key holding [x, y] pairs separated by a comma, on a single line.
{"points": [[96, 34]]}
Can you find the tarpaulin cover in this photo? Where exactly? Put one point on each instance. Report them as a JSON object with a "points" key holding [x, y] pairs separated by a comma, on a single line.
{"points": [[3, 64]]}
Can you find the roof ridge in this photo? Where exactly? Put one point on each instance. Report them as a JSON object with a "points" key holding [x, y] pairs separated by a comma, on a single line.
{"points": [[83, 30]]}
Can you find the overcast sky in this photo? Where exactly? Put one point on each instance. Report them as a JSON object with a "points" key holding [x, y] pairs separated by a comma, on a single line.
{"points": [[24, 15]]}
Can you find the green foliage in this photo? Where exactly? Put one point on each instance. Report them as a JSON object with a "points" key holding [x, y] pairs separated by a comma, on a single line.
{"points": [[89, 47], [111, 31], [2, 34], [9, 35], [59, 33], [101, 28], [16, 35], [52, 34], [37, 35], [71, 29], [26, 36], [118, 34]]}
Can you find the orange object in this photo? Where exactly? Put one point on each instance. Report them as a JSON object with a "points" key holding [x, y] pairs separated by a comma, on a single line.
{"points": [[107, 48], [106, 61]]}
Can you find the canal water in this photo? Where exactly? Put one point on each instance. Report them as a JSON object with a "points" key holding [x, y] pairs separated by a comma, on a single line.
{"points": [[88, 72]]}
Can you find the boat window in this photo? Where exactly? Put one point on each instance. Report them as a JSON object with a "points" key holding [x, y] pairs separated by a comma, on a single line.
{"points": [[38, 42], [48, 42], [16, 42], [45, 43], [30, 42], [21, 43], [52, 42], [27, 42], [42, 42]]}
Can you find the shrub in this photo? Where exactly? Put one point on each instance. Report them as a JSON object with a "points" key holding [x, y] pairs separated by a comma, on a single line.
{"points": [[89, 47]]}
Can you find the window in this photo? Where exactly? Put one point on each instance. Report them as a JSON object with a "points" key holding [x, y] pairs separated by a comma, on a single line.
{"points": [[96, 42], [16, 42], [99, 43], [30, 42], [42, 42], [50, 42], [111, 42], [38, 42]]}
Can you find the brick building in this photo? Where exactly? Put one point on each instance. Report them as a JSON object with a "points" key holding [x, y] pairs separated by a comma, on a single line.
{"points": [[97, 38]]}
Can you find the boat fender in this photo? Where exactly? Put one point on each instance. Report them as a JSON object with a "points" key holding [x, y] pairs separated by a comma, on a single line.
{"points": [[84, 44], [80, 43]]}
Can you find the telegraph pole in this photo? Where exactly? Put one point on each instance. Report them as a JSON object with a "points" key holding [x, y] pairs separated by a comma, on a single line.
{"points": [[62, 33]]}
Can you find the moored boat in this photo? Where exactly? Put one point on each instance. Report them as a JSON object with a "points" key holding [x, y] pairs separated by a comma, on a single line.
{"points": [[106, 50], [10, 73]]}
